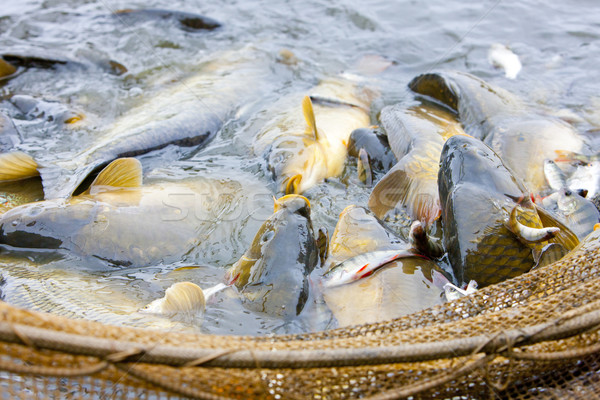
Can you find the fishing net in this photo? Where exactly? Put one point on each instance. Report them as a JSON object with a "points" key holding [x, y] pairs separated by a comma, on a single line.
{"points": [[535, 336]]}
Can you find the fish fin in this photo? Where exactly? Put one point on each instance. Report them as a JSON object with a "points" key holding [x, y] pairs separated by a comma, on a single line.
{"points": [[16, 166], [550, 253], [180, 297], [309, 116], [292, 184], [565, 237], [323, 244], [423, 243], [405, 185], [121, 173], [363, 165]]}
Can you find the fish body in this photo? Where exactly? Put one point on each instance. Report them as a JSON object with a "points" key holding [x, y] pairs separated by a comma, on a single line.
{"points": [[416, 136], [371, 275], [304, 146], [501, 56], [522, 136], [479, 196], [188, 21], [123, 223], [272, 275], [578, 213], [187, 113], [586, 177]]}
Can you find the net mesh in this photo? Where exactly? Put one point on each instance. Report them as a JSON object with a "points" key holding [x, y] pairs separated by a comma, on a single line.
{"points": [[535, 336]]}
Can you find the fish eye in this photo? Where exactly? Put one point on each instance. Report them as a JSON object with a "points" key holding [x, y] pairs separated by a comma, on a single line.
{"points": [[568, 192], [267, 236]]}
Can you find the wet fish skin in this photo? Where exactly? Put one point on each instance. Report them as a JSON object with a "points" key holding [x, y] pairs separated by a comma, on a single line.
{"points": [[188, 113], [521, 135], [132, 226], [375, 143], [301, 154], [392, 289], [477, 193], [416, 136], [272, 275], [579, 213]]}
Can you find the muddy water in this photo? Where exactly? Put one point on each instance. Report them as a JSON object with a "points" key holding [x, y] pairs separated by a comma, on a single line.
{"points": [[558, 45]]}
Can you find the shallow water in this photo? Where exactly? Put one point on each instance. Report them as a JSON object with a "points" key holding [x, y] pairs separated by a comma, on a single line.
{"points": [[558, 45]]}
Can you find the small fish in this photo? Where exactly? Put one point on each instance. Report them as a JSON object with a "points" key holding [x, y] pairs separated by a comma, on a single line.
{"points": [[500, 56], [47, 61], [527, 234], [362, 265], [423, 243], [372, 150], [453, 292], [579, 213], [554, 175]]}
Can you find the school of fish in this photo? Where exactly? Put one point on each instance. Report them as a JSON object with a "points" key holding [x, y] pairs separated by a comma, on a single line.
{"points": [[470, 185]]}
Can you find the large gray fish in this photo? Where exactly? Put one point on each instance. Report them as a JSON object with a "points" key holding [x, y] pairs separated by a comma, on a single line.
{"points": [[400, 281], [492, 230], [522, 136], [187, 113], [416, 136], [124, 223], [272, 276]]}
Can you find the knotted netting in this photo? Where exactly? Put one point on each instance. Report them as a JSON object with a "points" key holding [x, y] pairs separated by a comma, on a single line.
{"points": [[534, 336]]}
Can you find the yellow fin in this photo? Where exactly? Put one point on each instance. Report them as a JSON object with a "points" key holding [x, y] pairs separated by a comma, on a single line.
{"points": [[309, 116], [123, 172], [6, 68], [185, 297], [17, 165]]}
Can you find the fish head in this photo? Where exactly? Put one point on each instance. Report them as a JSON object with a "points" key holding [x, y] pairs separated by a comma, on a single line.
{"points": [[45, 224], [359, 231], [468, 160], [272, 274]]}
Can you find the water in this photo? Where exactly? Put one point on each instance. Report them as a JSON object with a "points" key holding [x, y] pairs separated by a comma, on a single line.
{"points": [[557, 43]]}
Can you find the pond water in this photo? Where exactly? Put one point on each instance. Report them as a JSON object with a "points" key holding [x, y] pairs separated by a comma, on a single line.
{"points": [[558, 44]]}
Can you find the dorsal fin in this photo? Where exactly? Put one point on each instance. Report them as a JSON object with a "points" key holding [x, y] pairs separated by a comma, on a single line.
{"points": [[309, 116], [123, 172]]}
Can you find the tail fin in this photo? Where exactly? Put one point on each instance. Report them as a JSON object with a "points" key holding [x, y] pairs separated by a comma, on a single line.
{"points": [[17, 165]]}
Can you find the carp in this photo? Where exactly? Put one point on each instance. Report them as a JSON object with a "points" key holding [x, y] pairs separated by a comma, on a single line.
{"points": [[121, 222], [416, 136], [492, 230], [304, 148], [187, 113], [272, 275], [522, 136], [371, 275]]}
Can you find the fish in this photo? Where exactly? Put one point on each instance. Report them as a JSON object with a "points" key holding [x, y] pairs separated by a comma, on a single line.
{"points": [[416, 136], [6, 69], [586, 177], [359, 231], [373, 153], [25, 59], [188, 21], [452, 292], [272, 275], [118, 222], [492, 231], [577, 212], [500, 56], [372, 275], [304, 148], [520, 134], [187, 113]]}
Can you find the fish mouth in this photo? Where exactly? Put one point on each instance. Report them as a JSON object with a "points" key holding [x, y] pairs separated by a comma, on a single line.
{"points": [[288, 201], [292, 185]]}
